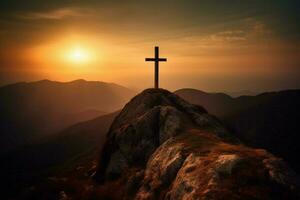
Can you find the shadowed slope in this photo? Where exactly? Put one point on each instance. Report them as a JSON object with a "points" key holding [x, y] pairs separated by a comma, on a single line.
{"points": [[33, 164], [269, 120]]}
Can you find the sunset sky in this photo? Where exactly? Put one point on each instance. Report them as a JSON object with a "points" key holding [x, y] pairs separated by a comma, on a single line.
{"points": [[213, 45]]}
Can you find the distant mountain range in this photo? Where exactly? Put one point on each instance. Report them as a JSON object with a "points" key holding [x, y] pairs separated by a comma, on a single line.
{"points": [[268, 120], [242, 93], [29, 112]]}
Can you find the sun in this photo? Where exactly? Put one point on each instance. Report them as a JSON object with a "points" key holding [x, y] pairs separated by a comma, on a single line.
{"points": [[78, 55]]}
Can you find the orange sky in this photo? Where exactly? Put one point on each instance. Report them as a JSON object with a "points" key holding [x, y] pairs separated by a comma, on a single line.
{"points": [[220, 49]]}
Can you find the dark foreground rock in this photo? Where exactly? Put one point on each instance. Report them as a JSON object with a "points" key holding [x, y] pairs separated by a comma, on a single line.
{"points": [[161, 147]]}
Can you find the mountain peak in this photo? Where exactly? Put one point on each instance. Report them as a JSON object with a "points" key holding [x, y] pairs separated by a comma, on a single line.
{"points": [[161, 147], [159, 99], [79, 81]]}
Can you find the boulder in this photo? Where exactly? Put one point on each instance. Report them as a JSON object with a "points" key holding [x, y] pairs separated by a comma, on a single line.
{"points": [[161, 147]]}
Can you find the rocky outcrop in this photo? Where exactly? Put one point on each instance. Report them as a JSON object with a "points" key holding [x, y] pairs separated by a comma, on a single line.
{"points": [[161, 147]]}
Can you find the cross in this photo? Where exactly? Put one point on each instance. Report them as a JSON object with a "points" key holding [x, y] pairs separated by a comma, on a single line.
{"points": [[156, 60]]}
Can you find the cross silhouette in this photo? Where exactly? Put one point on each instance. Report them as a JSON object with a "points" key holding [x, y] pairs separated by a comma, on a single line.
{"points": [[156, 60]]}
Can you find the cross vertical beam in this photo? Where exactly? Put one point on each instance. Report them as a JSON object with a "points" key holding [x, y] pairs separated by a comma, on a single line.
{"points": [[156, 55], [156, 60]]}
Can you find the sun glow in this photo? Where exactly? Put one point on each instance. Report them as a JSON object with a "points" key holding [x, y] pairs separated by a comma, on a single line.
{"points": [[66, 52], [78, 55]]}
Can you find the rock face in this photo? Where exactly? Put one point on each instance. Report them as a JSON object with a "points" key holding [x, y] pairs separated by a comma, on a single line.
{"points": [[161, 147]]}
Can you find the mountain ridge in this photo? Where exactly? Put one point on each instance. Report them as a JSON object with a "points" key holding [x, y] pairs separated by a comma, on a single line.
{"points": [[31, 111], [267, 120], [162, 147]]}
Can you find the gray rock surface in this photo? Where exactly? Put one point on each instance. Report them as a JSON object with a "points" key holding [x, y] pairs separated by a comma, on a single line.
{"points": [[161, 147]]}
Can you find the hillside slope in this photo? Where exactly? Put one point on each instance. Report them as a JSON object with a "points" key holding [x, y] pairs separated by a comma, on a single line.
{"points": [[32, 111], [269, 120], [161, 147], [30, 166]]}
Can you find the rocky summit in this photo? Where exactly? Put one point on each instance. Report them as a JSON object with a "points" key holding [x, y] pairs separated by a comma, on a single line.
{"points": [[161, 147]]}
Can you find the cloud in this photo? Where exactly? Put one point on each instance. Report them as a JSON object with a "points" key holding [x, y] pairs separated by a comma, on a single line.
{"points": [[252, 30], [228, 36], [259, 29], [56, 14]]}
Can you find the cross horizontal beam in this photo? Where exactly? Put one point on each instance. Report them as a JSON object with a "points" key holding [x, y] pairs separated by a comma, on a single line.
{"points": [[155, 59]]}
